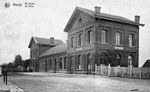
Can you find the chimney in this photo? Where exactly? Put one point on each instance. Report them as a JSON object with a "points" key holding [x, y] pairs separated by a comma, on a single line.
{"points": [[97, 10], [137, 19], [52, 40]]}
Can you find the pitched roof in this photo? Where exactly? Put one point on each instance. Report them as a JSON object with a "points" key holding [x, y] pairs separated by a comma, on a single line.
{"points": [[103, 16], [45, 41], [146, 64], [55, 50]]}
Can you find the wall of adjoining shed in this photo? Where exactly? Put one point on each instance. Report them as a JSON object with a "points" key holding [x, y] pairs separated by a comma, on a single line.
{"points": [[51, 63]]}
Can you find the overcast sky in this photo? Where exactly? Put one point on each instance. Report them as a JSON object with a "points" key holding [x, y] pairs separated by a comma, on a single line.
{"points": [[48, 18]]}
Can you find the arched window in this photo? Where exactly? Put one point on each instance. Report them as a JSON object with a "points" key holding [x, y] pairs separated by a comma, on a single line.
{"points": [[60, 63], [118, 58], [102, 58], [79, 62], [71, 63], [89, 37], [130, 60], [89, 62], [55, 64], [45, 65], [80, 40], [72, 42], [65, 63], [50, 64]]}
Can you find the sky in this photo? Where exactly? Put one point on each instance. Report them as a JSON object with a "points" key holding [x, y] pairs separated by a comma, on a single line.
{"points": [[49, 17]]}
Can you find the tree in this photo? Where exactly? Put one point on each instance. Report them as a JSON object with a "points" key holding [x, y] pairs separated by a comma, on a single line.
{"points": [[10, 66], [26, 63], [18, 60]]}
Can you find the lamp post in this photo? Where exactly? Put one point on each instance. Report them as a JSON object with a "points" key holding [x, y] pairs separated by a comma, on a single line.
{"points": [[5, 73]]}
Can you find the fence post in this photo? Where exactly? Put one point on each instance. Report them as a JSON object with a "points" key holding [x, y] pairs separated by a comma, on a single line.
{"points": [[96, 69], [122, 71], [109, 70], [101, 69]]}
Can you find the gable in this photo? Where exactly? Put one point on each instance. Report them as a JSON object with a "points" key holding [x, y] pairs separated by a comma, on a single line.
{"points": [[32, 43], [81, 19], [74, 19]]}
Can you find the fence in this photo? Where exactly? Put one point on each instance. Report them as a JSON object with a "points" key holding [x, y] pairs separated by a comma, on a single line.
{"points": [[127, 72]]}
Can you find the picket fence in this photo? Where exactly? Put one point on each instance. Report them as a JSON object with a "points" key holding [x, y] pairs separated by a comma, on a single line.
{"points": [[127, 72]]}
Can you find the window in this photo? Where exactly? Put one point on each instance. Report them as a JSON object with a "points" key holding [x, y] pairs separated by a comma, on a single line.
{"points": [[55, 65], [71, 61], [50, 64], [45, 65], [130, 60], [80, 20], [65, 63], [80, 40], [131, 40], [118, 58], [79, 62], [89, 65], [102, 57], [89, 37], [60, 63], [72, 41], [118, 38], [104, 36]]}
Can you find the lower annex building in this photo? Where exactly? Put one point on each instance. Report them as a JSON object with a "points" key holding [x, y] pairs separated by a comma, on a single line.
{"points": [[94, 38]]}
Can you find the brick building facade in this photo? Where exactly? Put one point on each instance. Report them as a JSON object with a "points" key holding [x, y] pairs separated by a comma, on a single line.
{"points": [[94, 38]]}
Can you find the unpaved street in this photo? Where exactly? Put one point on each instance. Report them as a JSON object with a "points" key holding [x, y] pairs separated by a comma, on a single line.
{"points": [[51, 82]]}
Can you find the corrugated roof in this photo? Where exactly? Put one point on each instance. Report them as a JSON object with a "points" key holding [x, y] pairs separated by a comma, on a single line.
{"points": [[55, 50], [45, 41]]}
